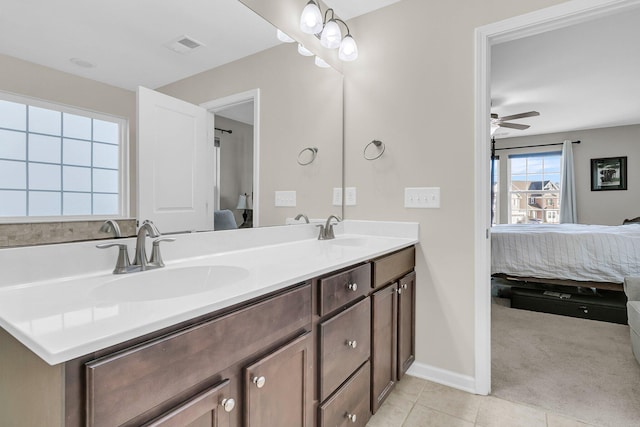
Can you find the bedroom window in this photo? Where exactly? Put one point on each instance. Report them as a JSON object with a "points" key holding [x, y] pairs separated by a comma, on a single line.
{"points": [[58, 161], [534, 188]]}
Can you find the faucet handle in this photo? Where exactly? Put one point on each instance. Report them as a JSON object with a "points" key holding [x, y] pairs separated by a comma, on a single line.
{"points": [[123, 262], [156, 257], [321, 235]]}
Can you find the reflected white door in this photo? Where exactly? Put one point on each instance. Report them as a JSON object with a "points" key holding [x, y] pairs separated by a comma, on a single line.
{"points": [[175, 163]]}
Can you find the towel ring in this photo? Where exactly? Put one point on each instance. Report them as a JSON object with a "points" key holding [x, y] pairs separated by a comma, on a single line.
{"points": [[314, 153], [377, 144]]}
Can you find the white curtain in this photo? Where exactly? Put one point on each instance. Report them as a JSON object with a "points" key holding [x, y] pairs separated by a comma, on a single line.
{"points": [[568, 208]]}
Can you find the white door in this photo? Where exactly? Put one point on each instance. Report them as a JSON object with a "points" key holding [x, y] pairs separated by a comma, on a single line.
{"points": [[175, 163]]}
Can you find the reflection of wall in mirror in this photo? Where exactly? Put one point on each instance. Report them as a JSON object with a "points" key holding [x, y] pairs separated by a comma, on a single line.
{"points": [[300, 106]]}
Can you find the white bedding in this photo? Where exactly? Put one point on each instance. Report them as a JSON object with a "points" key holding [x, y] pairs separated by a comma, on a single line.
{"points": [[597, 253]]}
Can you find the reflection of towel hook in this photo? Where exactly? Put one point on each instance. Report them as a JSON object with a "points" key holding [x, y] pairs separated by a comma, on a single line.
{"points": [[377, 144], [314, 153]]}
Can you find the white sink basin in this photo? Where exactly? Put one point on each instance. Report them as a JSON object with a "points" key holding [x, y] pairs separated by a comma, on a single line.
{"points": [[349, 241], [168, 283]]}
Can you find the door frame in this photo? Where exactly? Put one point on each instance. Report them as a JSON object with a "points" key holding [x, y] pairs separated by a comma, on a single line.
{"points": [[551, 18], [219, 104]]}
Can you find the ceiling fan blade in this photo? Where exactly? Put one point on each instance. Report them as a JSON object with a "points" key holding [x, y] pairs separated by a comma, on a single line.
{"points": [[519, 116], [513, 126]]}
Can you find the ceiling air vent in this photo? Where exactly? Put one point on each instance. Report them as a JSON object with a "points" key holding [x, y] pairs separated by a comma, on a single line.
{"points": [[183, 44]]}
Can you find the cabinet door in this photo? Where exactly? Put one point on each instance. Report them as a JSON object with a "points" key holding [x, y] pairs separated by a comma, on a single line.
{"points": [[406, 322], [210, 408], [277, 387], [383, 344]]}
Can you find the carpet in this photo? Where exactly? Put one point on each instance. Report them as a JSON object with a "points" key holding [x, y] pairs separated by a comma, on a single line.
{"points": [[580, 368]]}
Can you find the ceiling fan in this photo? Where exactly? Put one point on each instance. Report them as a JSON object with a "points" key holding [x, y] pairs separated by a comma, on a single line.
{"points": [[501, 122]]}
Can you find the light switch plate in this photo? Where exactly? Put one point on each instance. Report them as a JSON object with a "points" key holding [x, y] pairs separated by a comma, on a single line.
{"points": [[337, 196], [350, 196], [285, 198], [422, 197]]}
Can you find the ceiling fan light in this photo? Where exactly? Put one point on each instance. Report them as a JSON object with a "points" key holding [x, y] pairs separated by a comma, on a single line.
{"points": [[283, 37], [304, 51], [311, 18], [348, 49], [331, 35]]}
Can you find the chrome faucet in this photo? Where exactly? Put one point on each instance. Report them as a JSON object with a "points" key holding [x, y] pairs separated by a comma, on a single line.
{"points": [[141, 262], [147, 228], [326, 231], [111, 225], [306, 218]]}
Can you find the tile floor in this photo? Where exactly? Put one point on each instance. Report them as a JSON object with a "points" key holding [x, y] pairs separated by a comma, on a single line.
{"points": [[420, 403]]}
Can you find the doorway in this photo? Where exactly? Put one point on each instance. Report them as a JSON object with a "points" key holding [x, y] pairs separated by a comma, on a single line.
{"points": [[234, 124], [562, 15]]}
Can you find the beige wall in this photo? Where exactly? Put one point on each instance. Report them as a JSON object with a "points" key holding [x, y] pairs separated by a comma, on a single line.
{"points": [[236, 163], [300, 106], [413, 88], [594, 207], [26, 78]]}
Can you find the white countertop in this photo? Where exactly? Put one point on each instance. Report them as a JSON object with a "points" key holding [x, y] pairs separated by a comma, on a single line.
{"points": [[62, 318]]}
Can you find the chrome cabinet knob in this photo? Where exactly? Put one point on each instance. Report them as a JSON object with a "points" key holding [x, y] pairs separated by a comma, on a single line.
{"points": [[351, 417], [352, 343], [228, 404], [352, 287], [259, 381], [405, 286], [399, 291]]}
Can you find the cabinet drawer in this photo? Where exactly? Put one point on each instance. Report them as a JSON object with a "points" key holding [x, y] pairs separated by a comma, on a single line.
{"points": [[146, 379], [391, 267], [350, 405], [341, 288], [345, 343]]}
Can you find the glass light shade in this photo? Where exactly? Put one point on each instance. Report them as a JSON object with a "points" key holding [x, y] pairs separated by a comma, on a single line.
{"points": [[304, 51], [348, 49], [331, 35], [283, 37], [321, 62], [311, 19], [242, 202]]}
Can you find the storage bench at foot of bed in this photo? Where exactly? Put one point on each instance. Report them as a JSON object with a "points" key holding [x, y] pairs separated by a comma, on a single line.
{"points": [[607, 307]]}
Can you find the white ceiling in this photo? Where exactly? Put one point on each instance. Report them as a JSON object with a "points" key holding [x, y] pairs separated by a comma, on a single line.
{"points": [[580, 77], [125, 40]]}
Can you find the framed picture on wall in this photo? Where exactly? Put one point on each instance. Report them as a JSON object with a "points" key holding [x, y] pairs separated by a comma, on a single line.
{"points": [[609, 174]]}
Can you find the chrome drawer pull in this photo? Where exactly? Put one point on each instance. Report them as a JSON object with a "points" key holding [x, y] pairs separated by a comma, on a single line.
{"points": [[352, 287], [351, 417], [352, 343], [259, 381], [228, 404]]}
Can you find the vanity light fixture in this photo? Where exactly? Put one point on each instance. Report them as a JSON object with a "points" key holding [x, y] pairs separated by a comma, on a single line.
{"points": [[321, 62], [283, 37], [304, 51], [328, 31]]}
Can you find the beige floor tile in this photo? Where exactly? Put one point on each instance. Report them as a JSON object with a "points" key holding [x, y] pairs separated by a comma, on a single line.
{"points": [[450, 401], [392, 413], [410, 387], [495, 412], [422, 416], [554, 420]]}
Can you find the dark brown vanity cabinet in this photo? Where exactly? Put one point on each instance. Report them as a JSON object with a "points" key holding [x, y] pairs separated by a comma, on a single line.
{"points": [[393, 322], [278, 387], [192, 374]]}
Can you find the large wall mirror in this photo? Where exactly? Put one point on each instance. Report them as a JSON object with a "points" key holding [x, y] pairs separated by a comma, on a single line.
{"points": [[269, 102]]}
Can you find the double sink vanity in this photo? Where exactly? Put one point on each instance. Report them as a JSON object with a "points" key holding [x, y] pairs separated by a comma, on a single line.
{"points": [[271, 328]]}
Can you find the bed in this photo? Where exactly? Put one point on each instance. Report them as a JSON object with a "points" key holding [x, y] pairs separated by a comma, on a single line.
{"points": [[596, 256]]}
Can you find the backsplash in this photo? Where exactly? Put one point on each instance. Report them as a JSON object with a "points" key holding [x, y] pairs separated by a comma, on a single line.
{"points": [[42, 233]]}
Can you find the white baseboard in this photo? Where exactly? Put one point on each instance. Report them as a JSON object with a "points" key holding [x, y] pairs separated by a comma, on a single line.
{"points": [[444, 377]]}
